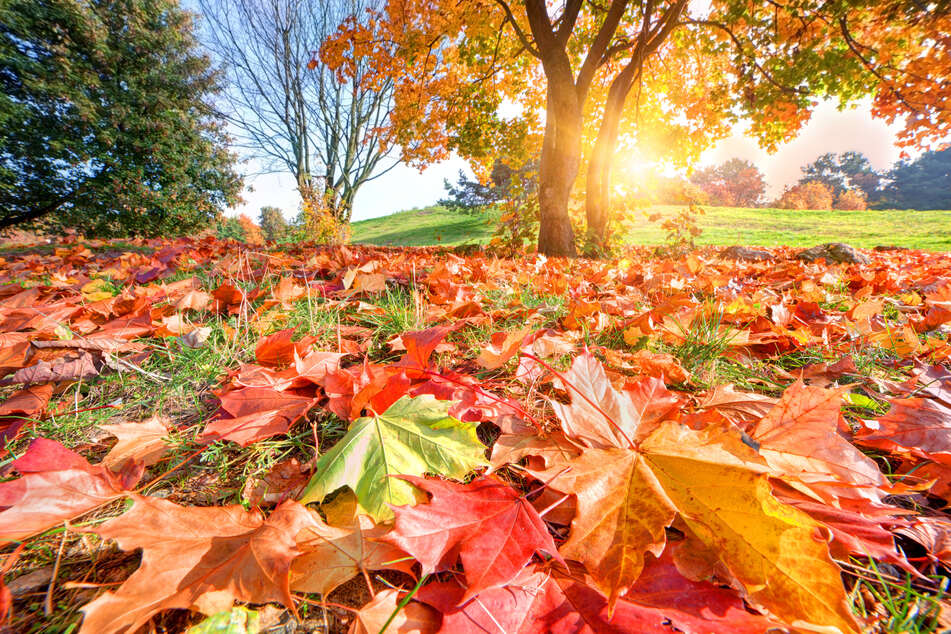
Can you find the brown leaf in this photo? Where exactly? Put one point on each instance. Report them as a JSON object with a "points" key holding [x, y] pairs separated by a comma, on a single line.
{"points": [[202, 558], [144, 442], [69, 368], [284, 481], [414, 618], [332, 555]]}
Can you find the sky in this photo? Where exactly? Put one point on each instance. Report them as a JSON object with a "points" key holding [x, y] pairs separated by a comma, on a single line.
{"points": [[829, 130]]}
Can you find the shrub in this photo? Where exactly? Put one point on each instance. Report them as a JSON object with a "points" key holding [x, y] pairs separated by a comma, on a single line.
{"points": [[852, 199], [810, 195]]}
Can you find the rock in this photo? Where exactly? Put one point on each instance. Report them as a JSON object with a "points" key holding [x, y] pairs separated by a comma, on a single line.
{"points": [[889, 247], [834, 252], [748, 254]]}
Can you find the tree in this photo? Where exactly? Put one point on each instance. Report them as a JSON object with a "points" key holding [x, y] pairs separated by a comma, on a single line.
{"points": [[851, 199], [292, 113], [692, 74], [471, 196], [848, 170], [272, 223], [252, 233], [808, 195], [735, 183], [106, 121], [923, 183]]}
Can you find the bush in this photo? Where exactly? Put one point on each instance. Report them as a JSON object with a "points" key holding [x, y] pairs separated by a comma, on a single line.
{"points": [[809, 195], [853, 199]]}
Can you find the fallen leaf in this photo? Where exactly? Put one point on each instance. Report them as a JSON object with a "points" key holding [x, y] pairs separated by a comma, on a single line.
{"points": [[55, 485], [202, 558], [413, 618], [332, 555], [145, 442], [492, 527], [413, 437]]}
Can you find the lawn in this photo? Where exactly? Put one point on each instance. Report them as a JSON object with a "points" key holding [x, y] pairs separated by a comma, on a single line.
{"points": [[721, 226]]}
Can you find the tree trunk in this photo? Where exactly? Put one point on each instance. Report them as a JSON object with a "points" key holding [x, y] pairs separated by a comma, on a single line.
{"points": [[560, 160], [598, 192]]}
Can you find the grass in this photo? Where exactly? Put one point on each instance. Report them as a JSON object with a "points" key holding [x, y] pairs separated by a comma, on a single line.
{"points": [[430, 225], [721, 226]]}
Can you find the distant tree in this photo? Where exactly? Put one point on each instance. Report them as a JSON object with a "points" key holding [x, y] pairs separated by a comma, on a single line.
{"points": [[291, 112], [272, 223], [229, 228], [472, 196], [924, 183], [106, 120], [851, 199], [252, 232], [735, 183], [848, 170], [810, 195]]}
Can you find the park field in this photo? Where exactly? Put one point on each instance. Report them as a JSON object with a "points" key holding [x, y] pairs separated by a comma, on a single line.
{"points": [[721, 226]]}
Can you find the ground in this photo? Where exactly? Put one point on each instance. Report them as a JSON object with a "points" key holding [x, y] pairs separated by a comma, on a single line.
{"points": [[721, 226], [213, 384]]}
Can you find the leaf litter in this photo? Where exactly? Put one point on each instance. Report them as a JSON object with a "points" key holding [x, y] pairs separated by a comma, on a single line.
{"points": [[428, 441]]}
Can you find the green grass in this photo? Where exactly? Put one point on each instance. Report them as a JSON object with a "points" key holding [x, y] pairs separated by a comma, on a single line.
{"points": [[721, 226], [431, 225]]}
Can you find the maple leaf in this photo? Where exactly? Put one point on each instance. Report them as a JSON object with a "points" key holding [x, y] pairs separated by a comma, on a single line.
{"points": [[604, 417], [56, 485], [921, 426], [798, 438], [200, 558], [493, 528], [279, 349], [258, 413], [541, 601], [741, 407], [21, 408], [413, 618], [413, 436], [331, 555], [145, 442], [503, 346], [716, 484]]}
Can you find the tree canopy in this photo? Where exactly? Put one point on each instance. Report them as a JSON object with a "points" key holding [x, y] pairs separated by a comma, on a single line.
{"points": [[734, 183], [846, 171], [655, 77], [106, 120], [923, 183]]}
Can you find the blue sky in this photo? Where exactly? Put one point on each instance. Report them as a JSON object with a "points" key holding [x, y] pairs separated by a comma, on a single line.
{"points": [[404, 187]]}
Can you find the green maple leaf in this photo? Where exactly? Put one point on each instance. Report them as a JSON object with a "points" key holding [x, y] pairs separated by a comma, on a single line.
{"points": [[414, 436]]}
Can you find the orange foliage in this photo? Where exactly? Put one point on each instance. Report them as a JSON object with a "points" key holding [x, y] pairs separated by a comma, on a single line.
{"points": [[811, 195], [252, 232], [853, 199]]}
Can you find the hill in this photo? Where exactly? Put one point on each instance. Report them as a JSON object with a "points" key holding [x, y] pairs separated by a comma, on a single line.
{"points": [[721, 226]]}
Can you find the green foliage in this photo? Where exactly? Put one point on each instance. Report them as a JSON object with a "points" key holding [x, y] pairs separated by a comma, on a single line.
{"points": [[106, 121], [505, 183], [227, 228], [924, 183], [273, 224], [413, 437]]}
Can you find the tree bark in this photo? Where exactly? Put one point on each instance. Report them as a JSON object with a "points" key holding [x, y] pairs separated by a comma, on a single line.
{"points": [[560, 161], [598, 192]]}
